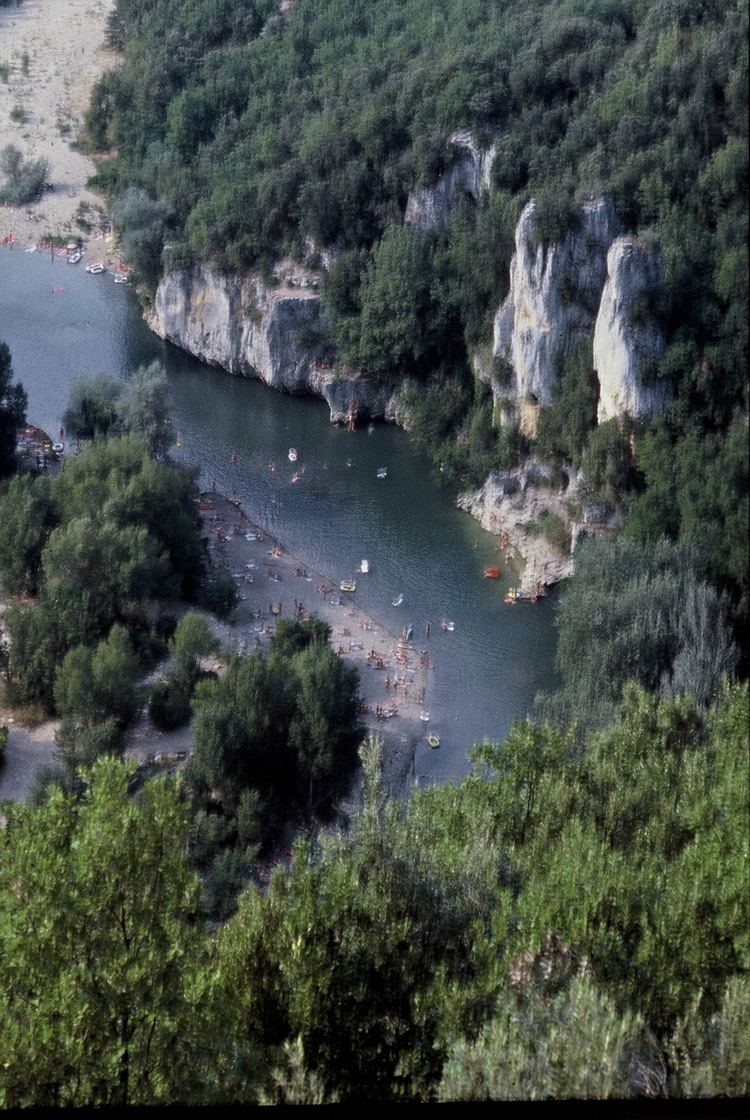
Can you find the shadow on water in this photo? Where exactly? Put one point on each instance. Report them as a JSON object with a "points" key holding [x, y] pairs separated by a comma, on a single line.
{"points": [[336, 513]]}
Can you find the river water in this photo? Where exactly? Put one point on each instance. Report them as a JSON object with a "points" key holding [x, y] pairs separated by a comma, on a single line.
{"points": [[487, 671]]}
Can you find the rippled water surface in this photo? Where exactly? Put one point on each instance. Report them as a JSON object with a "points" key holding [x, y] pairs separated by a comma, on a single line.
{"points": [[339, 512]]}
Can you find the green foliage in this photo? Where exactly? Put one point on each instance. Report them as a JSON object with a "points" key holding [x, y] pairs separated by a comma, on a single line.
{"points": [[4, 733], [555, 215], [93, 407], [169, 706], [25, 179], [169, 703], [219, 594], [564, 427], [141, 224], [144, 412], [396, 307], [554, 529], [101, 406], [607, 462], [697, 491], [240, 133], [342, 960], [637, 611], [98, 937], [284, 726], [27, 517], [94, 685], [568, 921], [13, 401], [115, 530], [576, 1046]]}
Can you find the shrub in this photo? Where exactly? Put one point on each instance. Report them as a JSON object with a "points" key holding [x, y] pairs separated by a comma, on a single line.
{"points": [[25, 179], [219, 595], [169, 706]]}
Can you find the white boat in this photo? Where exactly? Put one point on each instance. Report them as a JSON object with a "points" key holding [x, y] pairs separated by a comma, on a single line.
{"points": [[293, 455], [96, 268], [121, 279], [31, 249], [73, 258], [398, 601], [382, 472], [364, 567], [446, 624], [425, 717]]}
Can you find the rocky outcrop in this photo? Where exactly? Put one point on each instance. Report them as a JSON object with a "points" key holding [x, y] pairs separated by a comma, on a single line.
{"points": [[539, 520], [274, 333], [428, 208], [552, 301], [626, 334]]}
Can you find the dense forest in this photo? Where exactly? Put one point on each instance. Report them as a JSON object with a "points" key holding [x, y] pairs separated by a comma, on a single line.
{"points": [[555, 926], [570, 920], [237, 133]]}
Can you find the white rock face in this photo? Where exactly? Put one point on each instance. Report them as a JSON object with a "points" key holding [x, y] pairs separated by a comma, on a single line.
{"points": [[623, 340], [272, 333], [512, 502], [428, 207], [551, 304]]}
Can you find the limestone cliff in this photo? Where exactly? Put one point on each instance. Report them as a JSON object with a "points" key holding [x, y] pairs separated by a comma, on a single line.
{"points": [[274, 333], [429, 207], [522, 505], [626, 334], [552, 301]]}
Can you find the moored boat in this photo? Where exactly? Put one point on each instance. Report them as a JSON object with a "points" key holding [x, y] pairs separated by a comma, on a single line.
{"points": [[348, 585], [293, 456], [364, 567], [433, 740], [398, 601], [493, 572]]}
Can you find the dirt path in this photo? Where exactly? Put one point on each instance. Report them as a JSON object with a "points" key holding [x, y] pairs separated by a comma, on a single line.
{"points": [[28, 750], [51, 53]]}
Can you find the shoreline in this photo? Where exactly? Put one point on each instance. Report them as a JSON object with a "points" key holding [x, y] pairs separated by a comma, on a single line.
{"points": [[55, 51], [275, 583]]}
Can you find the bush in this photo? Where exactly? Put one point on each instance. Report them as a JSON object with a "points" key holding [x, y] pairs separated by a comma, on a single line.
{"points": [[25, 179], [169, 706], [219, 595], [3, 739], [553, 529]]}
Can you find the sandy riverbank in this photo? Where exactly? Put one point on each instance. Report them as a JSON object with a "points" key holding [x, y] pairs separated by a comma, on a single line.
{"points": [[394, 674], [54, 51]]}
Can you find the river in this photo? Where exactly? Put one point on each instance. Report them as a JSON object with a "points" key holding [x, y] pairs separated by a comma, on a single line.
{"points": [[487, 671]]}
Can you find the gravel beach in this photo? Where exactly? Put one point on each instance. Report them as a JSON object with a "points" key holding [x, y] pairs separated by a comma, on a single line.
{"points": [[53, 52], [394, 673]]}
